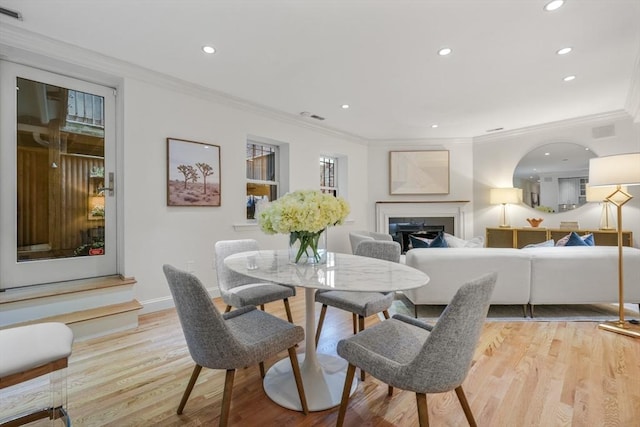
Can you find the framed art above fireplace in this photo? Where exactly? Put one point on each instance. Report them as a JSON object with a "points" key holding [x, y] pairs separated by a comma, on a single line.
{"points": [[419, 172]]}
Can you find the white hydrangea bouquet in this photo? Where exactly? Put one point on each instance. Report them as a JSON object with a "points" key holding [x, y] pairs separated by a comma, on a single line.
{"points": [[305, 215]]}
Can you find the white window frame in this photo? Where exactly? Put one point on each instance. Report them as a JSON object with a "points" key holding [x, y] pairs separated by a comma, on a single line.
{"points": [[335, 189], [277, 170]]}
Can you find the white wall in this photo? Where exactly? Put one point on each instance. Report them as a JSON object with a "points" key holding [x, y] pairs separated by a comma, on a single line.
{"points": [[495, 158], [460, 175], [156, 233]]}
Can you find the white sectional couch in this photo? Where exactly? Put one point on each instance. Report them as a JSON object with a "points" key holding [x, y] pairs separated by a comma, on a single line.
{"points": [[553, 275]]}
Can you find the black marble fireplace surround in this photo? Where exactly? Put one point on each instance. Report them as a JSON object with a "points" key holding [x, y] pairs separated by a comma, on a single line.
{"points": [[401, 227]]}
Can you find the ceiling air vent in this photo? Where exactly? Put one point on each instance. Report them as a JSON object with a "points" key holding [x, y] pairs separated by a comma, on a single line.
{"points": [[603, 131], [313, 116], [11, 13]]}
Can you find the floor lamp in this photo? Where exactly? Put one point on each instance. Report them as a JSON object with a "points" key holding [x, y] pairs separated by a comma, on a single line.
{"points": [[618, 170]]}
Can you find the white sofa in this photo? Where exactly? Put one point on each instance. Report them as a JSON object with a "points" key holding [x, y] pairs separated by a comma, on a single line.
{"points": [[553, 275]]}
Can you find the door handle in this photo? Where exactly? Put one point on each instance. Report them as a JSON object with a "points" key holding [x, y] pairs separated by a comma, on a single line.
{"points": [[110, 187]]}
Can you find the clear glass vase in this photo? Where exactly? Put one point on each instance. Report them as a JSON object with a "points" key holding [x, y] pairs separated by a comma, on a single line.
{"points": [[308, 248]]}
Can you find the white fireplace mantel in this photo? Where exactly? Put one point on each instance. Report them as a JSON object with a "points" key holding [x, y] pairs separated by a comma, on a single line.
{"points": [[454, 209]]}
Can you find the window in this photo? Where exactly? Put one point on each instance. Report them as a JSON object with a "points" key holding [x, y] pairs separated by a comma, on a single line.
{"points": [[328, 181], [262, 175]]}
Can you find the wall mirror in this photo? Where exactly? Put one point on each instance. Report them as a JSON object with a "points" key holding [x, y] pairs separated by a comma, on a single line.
{"points": [[553, 177]]}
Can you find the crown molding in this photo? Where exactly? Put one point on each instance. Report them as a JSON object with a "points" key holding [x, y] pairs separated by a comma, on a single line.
{"points": [[37, 50], [419, 142], [561, 124]]}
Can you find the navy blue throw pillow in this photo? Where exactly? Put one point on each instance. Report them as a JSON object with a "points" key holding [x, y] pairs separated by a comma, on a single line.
{"points": [[576, 240], [421, 242], [588, 239], [439, 242]]}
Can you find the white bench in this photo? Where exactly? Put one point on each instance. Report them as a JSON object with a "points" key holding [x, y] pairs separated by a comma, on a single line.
{"points": [[28, 352]]}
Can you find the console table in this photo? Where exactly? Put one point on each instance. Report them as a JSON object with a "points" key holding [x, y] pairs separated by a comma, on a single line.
{"points": [[520, 237]]}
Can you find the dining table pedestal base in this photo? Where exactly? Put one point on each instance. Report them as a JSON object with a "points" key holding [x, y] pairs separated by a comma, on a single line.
{"points": [[323, 382]]}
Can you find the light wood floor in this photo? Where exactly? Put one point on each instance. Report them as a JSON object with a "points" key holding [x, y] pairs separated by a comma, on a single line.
{"points": [[523, 374]]}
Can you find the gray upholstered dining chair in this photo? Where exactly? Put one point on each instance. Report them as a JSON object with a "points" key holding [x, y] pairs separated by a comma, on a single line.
{"points": [[361, 304], [355, 237], [238, 290], [412, 355], [229, 341]]}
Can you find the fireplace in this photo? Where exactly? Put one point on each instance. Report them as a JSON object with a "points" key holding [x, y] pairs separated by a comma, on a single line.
{"points": [[401, 227], [400, 219]]}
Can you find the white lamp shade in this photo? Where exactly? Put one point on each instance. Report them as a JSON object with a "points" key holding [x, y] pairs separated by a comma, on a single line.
{"points": [[599, 194], [621, 169], [499, 196]]}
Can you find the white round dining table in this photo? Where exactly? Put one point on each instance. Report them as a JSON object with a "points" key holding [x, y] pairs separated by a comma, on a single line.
{"points": [[323, 375]]}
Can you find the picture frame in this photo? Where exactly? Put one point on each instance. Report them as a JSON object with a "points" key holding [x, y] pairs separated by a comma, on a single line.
{"points": [[193, 173], [419, 172]]}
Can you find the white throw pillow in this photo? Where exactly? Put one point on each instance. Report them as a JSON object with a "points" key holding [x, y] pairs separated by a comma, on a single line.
{"points": [[545, 244], [456, 242]]}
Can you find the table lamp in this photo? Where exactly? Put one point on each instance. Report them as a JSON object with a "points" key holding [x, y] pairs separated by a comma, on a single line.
{"points": [[502, 196], [617, 170], [600, 194]]}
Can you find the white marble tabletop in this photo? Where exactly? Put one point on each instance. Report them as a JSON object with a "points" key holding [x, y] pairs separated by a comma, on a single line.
{"points": [[344, 272]]}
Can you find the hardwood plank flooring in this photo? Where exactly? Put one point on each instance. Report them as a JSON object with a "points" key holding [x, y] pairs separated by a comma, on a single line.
{"points": [[523, 374]]}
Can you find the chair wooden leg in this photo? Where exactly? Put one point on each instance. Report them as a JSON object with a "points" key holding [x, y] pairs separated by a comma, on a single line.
{"points": [[355, 323], [226, 397], [390, 391], [261, 369], [187, 392], [386, 314], [323, 312], [524, 310], [423, 411], [465, 406], [288, 310], [298, 377], [262, 307], [228, 309], [361, 328], [351, 370]]}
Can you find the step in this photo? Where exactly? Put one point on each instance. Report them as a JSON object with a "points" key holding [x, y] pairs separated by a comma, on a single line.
{"points": [[60, 288], [97, 321], [91, 307], [49, 300]]}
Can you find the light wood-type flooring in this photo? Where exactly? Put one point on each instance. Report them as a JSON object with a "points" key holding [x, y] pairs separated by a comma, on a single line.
{"points": [[523, 374]]}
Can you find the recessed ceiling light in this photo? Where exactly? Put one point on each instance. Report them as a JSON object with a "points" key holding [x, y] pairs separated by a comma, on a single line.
{"points": [[444, 51], [433, 126], [345, 106], [546, 154], [569, 78], [208, 49], [553, 5], [564, 51], [586, 148]]}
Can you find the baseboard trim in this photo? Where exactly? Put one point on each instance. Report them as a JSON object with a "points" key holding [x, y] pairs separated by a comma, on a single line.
{"points": [[164, 303]]}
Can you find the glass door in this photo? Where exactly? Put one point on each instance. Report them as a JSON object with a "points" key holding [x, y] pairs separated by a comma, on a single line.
{"points": [[57, 185]]}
